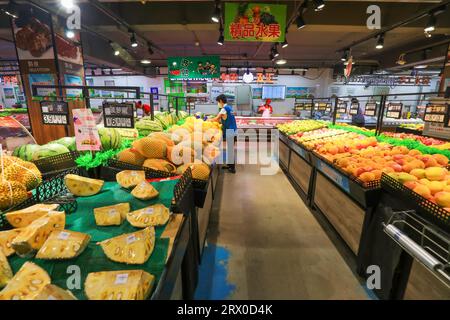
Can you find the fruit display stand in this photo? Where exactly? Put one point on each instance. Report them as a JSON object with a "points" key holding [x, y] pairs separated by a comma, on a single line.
{"points": [[54, 165]]}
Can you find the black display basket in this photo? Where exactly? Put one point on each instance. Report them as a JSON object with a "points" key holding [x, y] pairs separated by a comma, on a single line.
{"points": [[424, 207], [52, 190], [53, 166]]}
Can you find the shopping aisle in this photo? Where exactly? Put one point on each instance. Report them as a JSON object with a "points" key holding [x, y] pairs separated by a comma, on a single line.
{"points": [[264, 243]]}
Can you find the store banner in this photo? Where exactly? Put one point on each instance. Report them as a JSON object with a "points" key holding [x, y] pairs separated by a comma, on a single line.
{"points": [[194, 68], [297, 92], [246, 21], [86, 132]]}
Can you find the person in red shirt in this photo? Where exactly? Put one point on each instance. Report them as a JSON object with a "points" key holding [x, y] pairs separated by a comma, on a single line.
{"points": [[145, 107], [266, 109]]}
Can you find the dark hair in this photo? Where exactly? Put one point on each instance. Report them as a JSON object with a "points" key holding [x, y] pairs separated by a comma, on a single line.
{"points": [[221, 98]]}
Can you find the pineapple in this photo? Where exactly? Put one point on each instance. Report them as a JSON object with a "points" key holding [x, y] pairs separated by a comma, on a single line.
{"points": [[33, 237], [145, 191], [111, 215], [26, 284], [82, 186], [64, 244], [130, 248], [119, 285], [156, 215], [130, 178], [52, 292], [6, 239], [5, 270], [23, 218]]}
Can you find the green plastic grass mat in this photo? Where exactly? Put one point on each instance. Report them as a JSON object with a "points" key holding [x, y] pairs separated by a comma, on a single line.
{"points": [[93, 259], [93, 160]]}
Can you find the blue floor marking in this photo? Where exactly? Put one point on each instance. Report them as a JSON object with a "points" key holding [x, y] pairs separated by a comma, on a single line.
{"points": [[213, 272]]}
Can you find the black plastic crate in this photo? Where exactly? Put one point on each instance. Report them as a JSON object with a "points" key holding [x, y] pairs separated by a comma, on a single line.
{"points": [[54, 165], [113, 167]]}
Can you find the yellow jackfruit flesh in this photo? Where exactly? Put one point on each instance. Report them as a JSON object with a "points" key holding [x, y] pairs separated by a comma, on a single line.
{"points": [[111, 215], [33, 237], [24, 217], [156, 215], [52, 292], [82, 186], [26, 284], [5, 270], [130, 248], [130, 178], [119, 285], [63, 244], [145, 191], [6, 239]]}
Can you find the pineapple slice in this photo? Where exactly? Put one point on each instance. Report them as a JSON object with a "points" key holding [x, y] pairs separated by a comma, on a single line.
{"points": [[64, 244], [6, 239], [82, 186], [23, 218], [52, 292], [5, 270], [111, 215], [26, 284], [33, 237], [130, 248], [156, 215], [119, 285], [130, 178], [144, 191]]}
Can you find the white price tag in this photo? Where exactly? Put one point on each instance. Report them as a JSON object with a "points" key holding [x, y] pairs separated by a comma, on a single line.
{"points": [[50, 297], [131, 238], [63, 235], [121, 278], [149, 211], [133, 173], [112, 212]]}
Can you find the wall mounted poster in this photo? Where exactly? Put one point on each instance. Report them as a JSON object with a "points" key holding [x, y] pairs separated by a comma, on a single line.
{"points": [[194, 68], [245, 21], [9, 93], [72, 80], [257, 93], [297, 92], [42, 79]]}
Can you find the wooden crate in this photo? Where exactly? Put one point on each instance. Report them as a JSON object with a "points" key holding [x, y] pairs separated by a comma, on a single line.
{"points": [[284, 154], [300, 171], [342, 212]]}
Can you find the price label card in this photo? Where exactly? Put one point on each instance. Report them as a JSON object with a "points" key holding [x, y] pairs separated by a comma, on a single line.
{"points": [[121, 278], [436, 113], [370, 109], [112, 212], [63, 235], [54, 112], [86, 131], [149, 211], [131, 238], [354, 107], [342, 107], [338, 178], [394, 110], [118, 115]]}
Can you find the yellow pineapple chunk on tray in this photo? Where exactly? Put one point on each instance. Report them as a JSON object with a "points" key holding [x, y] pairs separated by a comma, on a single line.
{"points": [[5, 270], [145, 191], [23, 218], [155, 215], [130, 178], [130, 248], [111, 215], [63, 244], [119, 285], [6, 239], [26, 284], [52, 292]]}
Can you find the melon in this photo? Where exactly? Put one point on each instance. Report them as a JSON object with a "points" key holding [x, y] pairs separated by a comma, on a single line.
{"points": [[49, 150], [26, 151], [156, 215], [6, 239], [63, 244], [5, 270], [52, 292], [131, 156], [145, 191], [82, 186], [26, 284], [130, 248], [68, 142], [111, 215], [11, 193], [119, 285], [24, 217], [110, 138], [162, 136], [180, 154], [130, 178], [200, 171], [151, 148], [159, 164]]}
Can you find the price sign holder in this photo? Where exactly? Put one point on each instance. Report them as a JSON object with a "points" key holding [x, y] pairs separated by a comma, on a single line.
{"points": [[354, 107], [370, 109], [328, 108], [299, 106], [118, 115], [321, 106], [437, 113], [394, 110], [54, 113], [342, 108]]}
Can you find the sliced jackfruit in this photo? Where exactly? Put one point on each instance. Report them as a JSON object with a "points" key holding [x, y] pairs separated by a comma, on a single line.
{"points": [[33, 237], [63, 244], [145, 191], [119, 285], [130, 178], [24, 217], [52, 292], [26, 284], [156, 215], [5, 270], [130, 248], [82, 186], [6, 239], [111, 215]]}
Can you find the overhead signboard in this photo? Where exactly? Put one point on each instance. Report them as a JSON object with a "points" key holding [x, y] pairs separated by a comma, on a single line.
{"points": [[55, 112], [263, 22], [194, 68], [118, 115]]}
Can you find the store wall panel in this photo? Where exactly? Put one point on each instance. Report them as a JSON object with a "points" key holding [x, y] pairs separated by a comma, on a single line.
{"points": [[345, 215], [423, 285], [300, 171], [284, 154]]}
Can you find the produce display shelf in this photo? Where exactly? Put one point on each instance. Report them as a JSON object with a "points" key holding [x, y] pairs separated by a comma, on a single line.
{"points": [[54, 165], [407, 130], [296, 147]]}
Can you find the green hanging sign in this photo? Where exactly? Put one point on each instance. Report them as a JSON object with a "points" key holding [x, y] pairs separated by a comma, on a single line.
{"points": [[255, 22], [194, 68]]}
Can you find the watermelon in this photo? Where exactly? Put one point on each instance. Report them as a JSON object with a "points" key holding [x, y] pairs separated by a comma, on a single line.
{"points": [[26, 151], [145, 127], [162, 118], [49, 150], [68, 142], [110, 138], [174, 116], [182, 115]]}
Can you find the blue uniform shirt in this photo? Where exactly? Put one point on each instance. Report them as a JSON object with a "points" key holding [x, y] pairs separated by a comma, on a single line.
{"points": [[230, 121]]}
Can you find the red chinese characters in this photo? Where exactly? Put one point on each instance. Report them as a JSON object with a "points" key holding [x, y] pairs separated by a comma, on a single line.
{"points": [[259, 31]]}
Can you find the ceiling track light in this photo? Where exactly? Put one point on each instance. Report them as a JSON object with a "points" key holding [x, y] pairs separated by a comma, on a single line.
{"points": [[215, 17], [274, 51], [401, 59], [150, 50], [300, 21], [431, 24], [285, 43], [221, 39], [133, 41], [320, 4], [380, 42], [345, 55], [271, 57]]}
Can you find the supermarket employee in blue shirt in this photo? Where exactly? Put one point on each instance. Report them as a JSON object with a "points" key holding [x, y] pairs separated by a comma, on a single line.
{"points": [[229, 128]]}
